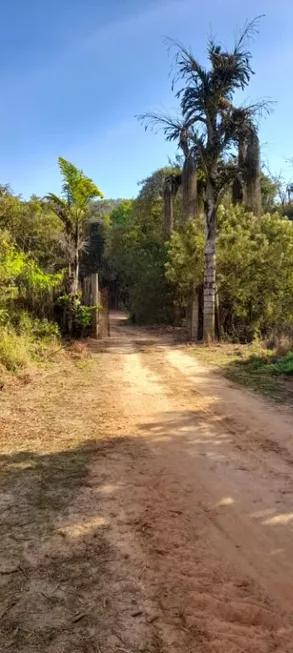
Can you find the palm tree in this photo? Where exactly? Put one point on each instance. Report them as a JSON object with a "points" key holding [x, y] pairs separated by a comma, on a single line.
{"points": [[212, 125], [246, 187], [72, 209]]}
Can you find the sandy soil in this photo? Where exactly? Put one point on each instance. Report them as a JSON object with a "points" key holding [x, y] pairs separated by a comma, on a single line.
{"points": [[146, 505]]}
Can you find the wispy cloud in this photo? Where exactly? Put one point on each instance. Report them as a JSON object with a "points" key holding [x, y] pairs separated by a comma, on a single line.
{"points": [[99, 38]]}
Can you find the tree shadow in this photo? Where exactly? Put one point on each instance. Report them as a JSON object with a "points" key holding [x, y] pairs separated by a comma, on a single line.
{"points": [[58, 585], [64, 579]]}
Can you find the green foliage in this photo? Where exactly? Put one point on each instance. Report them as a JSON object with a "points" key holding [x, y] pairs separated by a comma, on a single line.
{"points": [[284, 365], [269, 189], [34, 227], [76, 314], [254, 270], [19, 273], [34, 327], [37, 240], [73, 210], [185, 264], [77, 189], [23, 338], [121, 214], [137, 254], [272, 364]]}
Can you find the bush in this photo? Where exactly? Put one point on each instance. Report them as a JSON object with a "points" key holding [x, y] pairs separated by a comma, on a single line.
{"points": [[283, 366], [34, 327], [74, 317]]}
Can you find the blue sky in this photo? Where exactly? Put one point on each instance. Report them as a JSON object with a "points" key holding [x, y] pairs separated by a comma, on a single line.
{"points": [[75, 72]]}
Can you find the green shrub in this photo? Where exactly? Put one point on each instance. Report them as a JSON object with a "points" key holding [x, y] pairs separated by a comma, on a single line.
{"points": [[75, 318], [34, 327], [269, 363], [284, 365]]}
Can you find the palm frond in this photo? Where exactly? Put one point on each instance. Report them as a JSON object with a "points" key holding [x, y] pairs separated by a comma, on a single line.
{"points": [[61, 208], [232, 70], [260, 108], [171, 127], [250, 29], [56, 200], [185, 64]]}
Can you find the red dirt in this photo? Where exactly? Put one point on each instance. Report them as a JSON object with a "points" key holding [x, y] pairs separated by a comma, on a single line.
{"points": [[156, 515]]}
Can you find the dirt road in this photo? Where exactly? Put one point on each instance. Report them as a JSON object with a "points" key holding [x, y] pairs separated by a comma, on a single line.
{"points": [[147, 505]]}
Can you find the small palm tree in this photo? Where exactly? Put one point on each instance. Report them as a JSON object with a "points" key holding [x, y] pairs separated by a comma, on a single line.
{"points": [[211, 126], [72, 209]]}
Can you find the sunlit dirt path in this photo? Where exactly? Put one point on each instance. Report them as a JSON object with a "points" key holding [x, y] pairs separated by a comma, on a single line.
{"points": [[164, 525]]}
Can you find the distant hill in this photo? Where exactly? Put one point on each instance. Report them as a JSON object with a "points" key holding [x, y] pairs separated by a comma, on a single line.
{"points": [[100, 208]]}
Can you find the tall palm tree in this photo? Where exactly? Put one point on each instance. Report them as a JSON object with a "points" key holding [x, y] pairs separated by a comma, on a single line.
{"points": [[246, 186], [212, 126]]}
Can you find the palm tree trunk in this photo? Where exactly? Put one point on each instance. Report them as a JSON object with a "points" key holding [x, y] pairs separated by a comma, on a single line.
{"points": [[189, 189], [252, 162], [238, 184], [75, 274], [210, 265], [168, 209], [171, 187], [190, 209]]}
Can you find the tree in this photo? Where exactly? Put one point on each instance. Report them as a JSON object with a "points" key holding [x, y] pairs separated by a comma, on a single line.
{"points": [[269, 192], [254, 271], [120, 214], [212, 127], [137, 252], [20, 275], [33, 226], [72, 208]]}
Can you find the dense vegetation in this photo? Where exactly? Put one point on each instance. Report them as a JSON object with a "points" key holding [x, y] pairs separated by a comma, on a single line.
{"points": [[41, 241], [254, 264]]}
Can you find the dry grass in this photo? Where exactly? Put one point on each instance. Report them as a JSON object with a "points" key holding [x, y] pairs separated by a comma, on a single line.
{"points": [[61, 571], [53, 552], [254, 366]]}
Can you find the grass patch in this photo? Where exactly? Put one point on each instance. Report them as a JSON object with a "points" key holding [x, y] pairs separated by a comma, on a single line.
{"points": [[253, 366], [14, 350], [29, 341]]}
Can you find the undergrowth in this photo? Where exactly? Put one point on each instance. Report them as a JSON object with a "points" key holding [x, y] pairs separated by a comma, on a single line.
{"points": [[26, 340]]}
